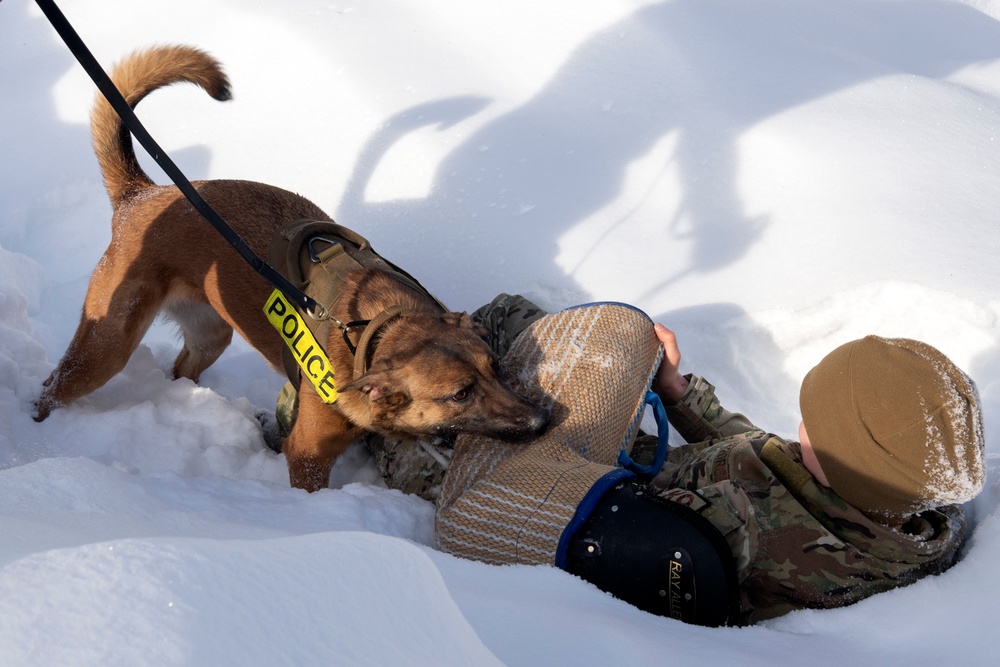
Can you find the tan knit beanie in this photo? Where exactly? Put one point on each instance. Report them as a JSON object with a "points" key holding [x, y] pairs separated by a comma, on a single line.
{"points": [[896, 427]]}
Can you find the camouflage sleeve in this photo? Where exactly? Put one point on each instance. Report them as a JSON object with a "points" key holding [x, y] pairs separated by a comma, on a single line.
{"points": [[700, 416]]}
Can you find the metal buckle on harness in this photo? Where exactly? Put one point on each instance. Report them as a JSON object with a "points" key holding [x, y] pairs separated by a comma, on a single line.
{"points": [[313, 255]]}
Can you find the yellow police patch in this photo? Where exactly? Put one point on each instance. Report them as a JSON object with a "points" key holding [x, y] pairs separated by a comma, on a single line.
{"points": [[308, 353]]}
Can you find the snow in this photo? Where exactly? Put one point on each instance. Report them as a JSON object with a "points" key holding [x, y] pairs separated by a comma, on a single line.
{"points": [[771, 179]]}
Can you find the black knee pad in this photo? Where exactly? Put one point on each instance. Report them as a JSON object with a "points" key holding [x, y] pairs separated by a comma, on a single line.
{"points": [[657, 555]]}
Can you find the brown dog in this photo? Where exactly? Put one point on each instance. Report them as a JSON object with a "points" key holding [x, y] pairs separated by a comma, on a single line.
{"points": [[430, 374]]}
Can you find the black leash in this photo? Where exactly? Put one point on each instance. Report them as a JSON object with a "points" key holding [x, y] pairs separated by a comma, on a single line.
{"points": [[121, 107]]}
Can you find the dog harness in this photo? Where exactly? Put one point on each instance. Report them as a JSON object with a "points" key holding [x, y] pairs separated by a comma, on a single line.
{"points": [[316, 256]]}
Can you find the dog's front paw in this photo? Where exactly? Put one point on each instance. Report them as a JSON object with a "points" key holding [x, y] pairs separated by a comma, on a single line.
{"points": [[42, 410]]}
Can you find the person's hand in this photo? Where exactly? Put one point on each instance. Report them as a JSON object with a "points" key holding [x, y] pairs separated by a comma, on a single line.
{"points": [[669, 383]]}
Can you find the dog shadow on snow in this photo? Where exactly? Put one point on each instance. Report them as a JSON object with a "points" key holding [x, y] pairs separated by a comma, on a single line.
{"points": [[706, 71]]}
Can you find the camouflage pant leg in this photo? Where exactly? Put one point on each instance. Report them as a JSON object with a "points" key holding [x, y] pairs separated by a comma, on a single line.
{"points": [[504, 318], [412, 466]]}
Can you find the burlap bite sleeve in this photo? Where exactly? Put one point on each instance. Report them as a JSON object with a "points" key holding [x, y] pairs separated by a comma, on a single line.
{"points": [[516, 503]]}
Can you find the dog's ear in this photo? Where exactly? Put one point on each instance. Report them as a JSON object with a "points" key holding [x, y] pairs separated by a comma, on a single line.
{"points": [[464, 321], [379, 388]]}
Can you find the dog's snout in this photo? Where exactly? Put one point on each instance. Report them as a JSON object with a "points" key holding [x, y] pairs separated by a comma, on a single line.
{"points": [[529, 422], [539, 421]]}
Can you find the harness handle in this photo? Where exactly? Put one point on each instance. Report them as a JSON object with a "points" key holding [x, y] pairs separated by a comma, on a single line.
{"points": [[125, 112]]}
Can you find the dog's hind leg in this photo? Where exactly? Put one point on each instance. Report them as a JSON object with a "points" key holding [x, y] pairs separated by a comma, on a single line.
{"points": [[116, 315], [206, 336]]}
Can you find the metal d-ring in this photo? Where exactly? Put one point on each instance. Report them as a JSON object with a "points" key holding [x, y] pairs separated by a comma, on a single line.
{"points": [[313, 255]]}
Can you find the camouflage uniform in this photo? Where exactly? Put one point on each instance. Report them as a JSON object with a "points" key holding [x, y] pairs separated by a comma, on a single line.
{"points": [[797, 544]]}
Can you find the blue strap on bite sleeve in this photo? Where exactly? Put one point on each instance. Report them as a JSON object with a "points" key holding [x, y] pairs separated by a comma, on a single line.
{"points": [[662, 441]]}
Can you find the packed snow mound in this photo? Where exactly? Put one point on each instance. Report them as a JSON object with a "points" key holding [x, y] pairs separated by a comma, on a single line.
{"points": [[163, 601]]}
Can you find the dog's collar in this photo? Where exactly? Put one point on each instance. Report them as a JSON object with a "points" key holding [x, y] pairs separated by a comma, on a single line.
{"points": [[369, 337]]}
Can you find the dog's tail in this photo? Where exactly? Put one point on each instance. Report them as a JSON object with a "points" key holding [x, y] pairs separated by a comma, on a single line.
{"points": [[136, 76]]}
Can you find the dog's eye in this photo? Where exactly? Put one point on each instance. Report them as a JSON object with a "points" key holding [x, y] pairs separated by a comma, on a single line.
{"points": [[460, 395]]}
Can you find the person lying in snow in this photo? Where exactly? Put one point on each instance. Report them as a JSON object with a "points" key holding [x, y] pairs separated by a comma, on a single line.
{"points": [[867, 500]]}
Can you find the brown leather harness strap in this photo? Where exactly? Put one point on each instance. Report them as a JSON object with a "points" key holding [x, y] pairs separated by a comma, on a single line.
{"points": [[366, 345]]}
